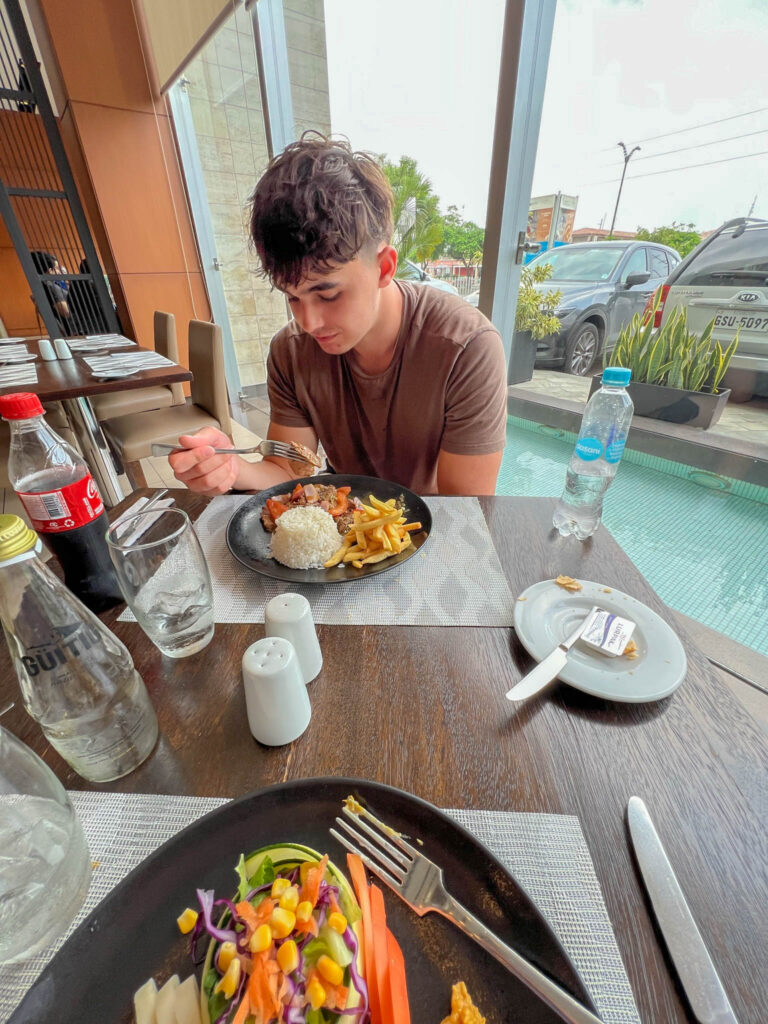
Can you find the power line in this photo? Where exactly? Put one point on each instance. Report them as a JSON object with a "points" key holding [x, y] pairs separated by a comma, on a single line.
{"points": [[671, 170], [698, 145], [693, 127]]}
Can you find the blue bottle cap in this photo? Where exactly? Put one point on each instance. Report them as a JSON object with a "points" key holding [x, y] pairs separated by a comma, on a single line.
{"points": [[617, 376]]}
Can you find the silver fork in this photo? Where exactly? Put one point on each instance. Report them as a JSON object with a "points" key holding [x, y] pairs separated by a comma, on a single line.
{"points": [[279, 448], [418, 881]]}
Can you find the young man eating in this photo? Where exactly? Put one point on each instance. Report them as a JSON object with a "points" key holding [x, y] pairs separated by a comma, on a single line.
{"points": [[396, 380]]}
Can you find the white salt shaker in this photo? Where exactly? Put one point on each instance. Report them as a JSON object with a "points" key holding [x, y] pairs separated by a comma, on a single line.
{"points": [[62, 348], [46, 350], [275, 694], [289, 616]]}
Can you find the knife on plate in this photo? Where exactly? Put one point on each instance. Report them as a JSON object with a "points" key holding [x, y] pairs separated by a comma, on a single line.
{"points": [[692, 961], [546, 670]]}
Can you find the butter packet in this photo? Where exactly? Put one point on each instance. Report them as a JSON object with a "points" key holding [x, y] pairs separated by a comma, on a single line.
{"points": [[608, 633]]}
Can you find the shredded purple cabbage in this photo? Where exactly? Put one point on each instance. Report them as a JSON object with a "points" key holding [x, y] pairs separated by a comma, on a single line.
{"points": [[351, 940], [255, 892], [207, 904]]}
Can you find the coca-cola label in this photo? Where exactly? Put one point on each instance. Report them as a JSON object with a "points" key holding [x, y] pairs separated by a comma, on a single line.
{"points": [[75, 505]]}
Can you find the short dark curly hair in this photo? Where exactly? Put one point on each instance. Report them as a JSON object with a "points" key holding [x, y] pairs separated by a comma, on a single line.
{"points": [[317, 204]]}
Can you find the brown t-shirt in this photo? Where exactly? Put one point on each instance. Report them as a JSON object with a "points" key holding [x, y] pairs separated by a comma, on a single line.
{"points": [[444, 389]]}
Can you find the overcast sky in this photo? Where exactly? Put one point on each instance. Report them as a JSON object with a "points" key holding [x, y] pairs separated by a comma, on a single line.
{"points": [[419, 77]]}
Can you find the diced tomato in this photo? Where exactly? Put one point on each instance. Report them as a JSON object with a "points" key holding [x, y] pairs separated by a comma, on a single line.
{"points": [[276, 508]]}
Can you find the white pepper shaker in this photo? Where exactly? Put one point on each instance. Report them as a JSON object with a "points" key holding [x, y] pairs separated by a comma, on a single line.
{"points": [[46, 350], [289, 616], [275, 694]]}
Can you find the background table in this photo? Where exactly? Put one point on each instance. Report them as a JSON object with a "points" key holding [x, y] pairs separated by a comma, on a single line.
{"points": [[423, 708], [71, 382]]}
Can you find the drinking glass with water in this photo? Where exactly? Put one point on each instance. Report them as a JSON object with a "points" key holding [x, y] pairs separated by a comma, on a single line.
{"points": [[164, 578], [45, 866]]}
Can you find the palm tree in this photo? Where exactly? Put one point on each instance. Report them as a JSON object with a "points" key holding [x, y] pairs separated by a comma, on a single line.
{"points": [[418, 224]]}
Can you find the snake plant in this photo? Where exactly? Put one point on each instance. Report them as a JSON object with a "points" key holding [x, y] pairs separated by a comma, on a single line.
{"points": [[672, 356]]}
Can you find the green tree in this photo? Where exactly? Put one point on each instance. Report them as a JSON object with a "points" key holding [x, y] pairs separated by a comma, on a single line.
{"points": [[417, 220], [462, 239], [682, 237]]}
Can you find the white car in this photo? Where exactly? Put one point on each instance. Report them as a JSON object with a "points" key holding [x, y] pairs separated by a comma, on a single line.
{"points": [[725, 278], [409, 271]]}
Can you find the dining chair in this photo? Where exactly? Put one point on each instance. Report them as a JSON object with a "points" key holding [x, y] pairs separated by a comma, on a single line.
{"points": [[123, 403], [132, 436]]}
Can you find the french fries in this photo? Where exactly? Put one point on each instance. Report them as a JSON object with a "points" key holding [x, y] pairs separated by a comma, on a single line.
{"points": [[378, 532]]}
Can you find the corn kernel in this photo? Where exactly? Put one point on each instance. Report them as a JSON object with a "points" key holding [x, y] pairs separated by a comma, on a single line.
{"points": [[304, 912], [305, 867], [279, 886], [338, 922], [316, 994], [288, 956], [187, 921], [282, 922], [289, 900], [330, 970], [225, 955], [228, 984], [261, 939]]}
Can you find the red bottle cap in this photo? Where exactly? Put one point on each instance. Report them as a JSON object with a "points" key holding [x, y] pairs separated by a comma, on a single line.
{"points": [[20, 406]]}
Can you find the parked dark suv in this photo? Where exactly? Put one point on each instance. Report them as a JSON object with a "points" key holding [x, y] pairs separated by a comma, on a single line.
{"points": [[603, 284]]}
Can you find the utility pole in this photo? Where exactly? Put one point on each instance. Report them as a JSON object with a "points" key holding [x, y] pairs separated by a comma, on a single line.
{"points": [[627, 158], [752, 206]]}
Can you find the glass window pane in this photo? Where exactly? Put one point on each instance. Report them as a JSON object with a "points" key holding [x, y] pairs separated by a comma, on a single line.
{"points": [[585, 263], [657, 263], [636, 263]]}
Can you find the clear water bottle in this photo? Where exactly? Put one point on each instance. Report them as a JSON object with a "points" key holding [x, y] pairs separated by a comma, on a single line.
{"points": [[595, 459], [77, 679], [61, 500], [45, 866]]}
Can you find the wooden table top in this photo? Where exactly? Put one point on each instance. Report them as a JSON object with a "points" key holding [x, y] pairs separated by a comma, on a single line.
{"points": [[72, 378], [423, 708]]}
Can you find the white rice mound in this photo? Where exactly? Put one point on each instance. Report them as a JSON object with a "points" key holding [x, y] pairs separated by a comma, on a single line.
{"points": [[305, 537]]}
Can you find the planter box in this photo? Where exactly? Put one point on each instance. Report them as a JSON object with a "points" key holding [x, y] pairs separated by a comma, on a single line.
{"points": [[694, 408], [522, 358]]}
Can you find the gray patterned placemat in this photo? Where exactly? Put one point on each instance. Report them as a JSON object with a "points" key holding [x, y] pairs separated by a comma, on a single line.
{"points": [[546, 852], [456, 579]]}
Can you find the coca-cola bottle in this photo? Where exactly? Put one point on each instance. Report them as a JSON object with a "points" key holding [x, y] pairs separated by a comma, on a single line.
{"points": [[77, 679], [62, 501]]}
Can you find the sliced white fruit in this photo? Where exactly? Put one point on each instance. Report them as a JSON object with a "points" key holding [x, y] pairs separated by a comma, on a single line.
{"points": [[144, 1001], [166, 1000], [186, 1005]]}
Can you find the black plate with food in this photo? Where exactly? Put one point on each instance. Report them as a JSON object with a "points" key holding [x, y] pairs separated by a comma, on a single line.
{"points": [[132, 935], [249, 531]]}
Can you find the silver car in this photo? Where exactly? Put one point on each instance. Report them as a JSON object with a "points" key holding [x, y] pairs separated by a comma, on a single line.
{"points": [[726, 279]]}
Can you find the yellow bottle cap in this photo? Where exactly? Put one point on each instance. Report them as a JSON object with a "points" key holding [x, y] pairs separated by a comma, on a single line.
{"points": [[15, 537]]}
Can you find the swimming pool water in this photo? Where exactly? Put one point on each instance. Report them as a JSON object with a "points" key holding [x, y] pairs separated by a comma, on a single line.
{"points": [[705, 552]]}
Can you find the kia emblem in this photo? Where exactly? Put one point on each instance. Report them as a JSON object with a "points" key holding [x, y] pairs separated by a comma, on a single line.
{"points": [[747, 297]]}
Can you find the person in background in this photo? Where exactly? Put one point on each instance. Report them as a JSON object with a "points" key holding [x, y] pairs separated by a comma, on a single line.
{"points": [[396, 380], [45, 263]]}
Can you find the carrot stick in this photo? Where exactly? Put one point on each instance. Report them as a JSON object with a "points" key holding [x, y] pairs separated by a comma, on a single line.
{"points": [[397, 981], [357, 874], [380, 955], [243, 1010]]}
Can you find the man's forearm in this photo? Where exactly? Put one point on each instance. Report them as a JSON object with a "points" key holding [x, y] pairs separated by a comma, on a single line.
{"points": [[256, 476]]}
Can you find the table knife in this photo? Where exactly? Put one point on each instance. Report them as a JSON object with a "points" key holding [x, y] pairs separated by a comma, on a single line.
{"points": [[547, 669], [692, 961]]}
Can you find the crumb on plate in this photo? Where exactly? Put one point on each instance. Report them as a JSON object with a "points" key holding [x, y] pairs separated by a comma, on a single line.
{"points": [[463, 1010], [568, 583], [631, 650]]}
